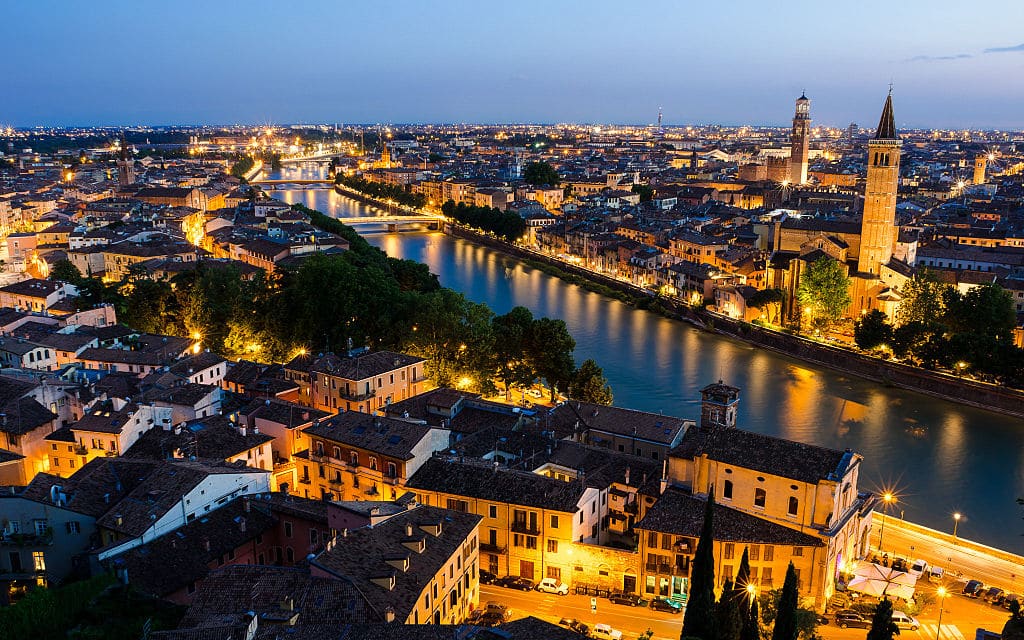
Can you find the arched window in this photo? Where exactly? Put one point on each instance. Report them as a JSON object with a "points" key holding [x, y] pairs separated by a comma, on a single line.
{"points": [[727, 490]]}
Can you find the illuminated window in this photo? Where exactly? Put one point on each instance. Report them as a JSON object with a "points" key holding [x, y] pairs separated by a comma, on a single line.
{"points": [[39, 560]]}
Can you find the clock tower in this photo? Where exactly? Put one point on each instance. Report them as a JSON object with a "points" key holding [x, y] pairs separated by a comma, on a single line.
{"points": [[878, 224], [799, 140]]}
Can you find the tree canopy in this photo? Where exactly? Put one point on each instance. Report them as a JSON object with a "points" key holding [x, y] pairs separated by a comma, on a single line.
{"points": [[824, 292], [589, 384], [541, 174], [882, 626]]}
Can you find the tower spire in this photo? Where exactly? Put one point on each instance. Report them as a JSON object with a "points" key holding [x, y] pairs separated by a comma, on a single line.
{"points": [[887, 123]]}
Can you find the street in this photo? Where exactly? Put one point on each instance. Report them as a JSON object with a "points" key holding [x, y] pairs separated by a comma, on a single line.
{"points": [[631, 621]]}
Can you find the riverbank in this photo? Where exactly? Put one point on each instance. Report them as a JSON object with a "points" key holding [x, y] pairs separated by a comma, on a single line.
{"points": [[902, 376], [251, 174]]}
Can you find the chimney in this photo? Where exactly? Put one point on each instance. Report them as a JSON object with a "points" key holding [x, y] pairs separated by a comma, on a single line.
{"points": [[627, 476], [242, 430], [389, 615], [408, 530]]}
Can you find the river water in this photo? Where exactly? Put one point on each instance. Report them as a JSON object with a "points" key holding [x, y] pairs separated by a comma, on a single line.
{"points": [[939, 457]]}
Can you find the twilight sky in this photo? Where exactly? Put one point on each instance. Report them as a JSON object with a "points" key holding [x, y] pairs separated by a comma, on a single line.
{"points": [[954, 64]]}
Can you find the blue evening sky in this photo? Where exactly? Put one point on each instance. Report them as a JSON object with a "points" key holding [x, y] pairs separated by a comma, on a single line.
{"points": [[726, 61]]}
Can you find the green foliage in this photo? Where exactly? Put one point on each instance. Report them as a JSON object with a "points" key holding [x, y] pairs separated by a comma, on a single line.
{"points": [[751, 628], [922, 299], [806, 619], [541, 174], [882, 626], [49, 613], [242, 166], [769, 300], [455, 336], [699, 619], [786, 611], [382, 191], [589, 384], [872, 329], [551, 353], [824, 292], [728, 612], [505, 224], [65, 271], [646, 192], [512, 342]]}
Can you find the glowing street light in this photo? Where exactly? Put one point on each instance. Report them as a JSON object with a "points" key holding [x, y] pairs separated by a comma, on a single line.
{"points": [[888, 499], [941, 592], [956, 523]]}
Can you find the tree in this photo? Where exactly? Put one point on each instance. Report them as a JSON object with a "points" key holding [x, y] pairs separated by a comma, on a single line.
{"points": [[872, 330], [589, 384], [512, 334], [824, 292], [728, 616], [769, 300], [882, 626], [455, 336], [540, 174], [551, 348], [922, 299], [646, 192], [699, 619], [1014, 627], [65, 271], [751, 629], [785, 614]]}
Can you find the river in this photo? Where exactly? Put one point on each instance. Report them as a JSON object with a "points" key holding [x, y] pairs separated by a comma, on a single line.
{"points": [[939, 457]]}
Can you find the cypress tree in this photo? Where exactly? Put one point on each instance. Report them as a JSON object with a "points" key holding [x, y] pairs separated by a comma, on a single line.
{"points": [[882, 626], [785, 614], [751, 629], [699, 619], [730, 618]]}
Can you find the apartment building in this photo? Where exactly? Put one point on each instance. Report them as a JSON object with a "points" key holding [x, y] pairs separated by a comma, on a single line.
{"points": [[363, 381]]}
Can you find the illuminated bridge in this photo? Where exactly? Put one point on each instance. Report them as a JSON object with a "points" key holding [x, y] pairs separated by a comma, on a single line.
{"points": [[392, 222], [293, 181]]}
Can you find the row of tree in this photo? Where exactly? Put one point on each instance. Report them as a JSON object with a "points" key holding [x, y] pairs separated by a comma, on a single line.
{"points": [[242, 166], [382, 191], [938, 326], [506, 225], [360, 296]]}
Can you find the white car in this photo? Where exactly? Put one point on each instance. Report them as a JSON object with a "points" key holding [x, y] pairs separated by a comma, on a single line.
{"points": [[935, 574], [917, 568], [550, 585], [903, 621], [605, 632]]}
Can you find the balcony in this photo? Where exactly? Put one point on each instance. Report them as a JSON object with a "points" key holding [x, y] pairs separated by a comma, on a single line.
{"points": [[357, 397], [81, 450], [392, 480], [305, 480], [44, 539], [659, 568], [521, 526], [336, 482], [491, 548]]}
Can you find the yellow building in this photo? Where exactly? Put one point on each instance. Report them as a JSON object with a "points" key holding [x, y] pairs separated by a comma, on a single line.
{"points": [[365, 381], [530, 521]]}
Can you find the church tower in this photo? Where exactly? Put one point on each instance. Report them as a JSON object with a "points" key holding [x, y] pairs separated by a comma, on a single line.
{"points": [[980, 164], [385, 153], [878, 224], [799, 140], [125, 165]]}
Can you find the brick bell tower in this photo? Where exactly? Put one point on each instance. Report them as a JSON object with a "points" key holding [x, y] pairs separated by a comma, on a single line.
{"points": [[799, 141], [878, 224]]}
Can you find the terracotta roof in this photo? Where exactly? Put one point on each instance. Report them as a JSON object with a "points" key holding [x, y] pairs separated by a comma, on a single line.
{"points": [[386, 436], [679, 513], [653, 427]]}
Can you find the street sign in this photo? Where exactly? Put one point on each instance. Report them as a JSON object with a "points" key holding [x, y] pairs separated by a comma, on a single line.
{"points": [[593, 605]]}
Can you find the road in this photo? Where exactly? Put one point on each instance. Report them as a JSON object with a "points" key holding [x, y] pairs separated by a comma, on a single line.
{"points": [[631, 621], [961, 616], [964, 562]]}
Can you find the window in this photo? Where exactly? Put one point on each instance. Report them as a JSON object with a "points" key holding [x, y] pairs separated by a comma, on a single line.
{"points": [[729, 551], [73, 526], [517, 539], [42, 526], [554, 522], [353, 458], [727, 490], [760, 497], [798, 552], [392, 470], [727, 572], [289, 554], [755, 551], [312, 536], [492, 511], [794, 505], [287, 529], [552, 546], [666, 542], [769, 553], [39, 560], [373, 463], [766, 577], [531, 542]]}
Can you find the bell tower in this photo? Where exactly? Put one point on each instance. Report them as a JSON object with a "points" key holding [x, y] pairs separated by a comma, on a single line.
{"points": [[799, 140], [718, 404], [878, 224], [980, 164], [125, 165]]}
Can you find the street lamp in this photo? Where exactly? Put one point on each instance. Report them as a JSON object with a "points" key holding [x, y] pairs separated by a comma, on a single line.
{"points": [[956, 523], [941, 592], [888, 498], [752, 591]]}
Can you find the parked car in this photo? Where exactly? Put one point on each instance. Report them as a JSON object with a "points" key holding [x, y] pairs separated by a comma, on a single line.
{"points": [[917, 568], [522, 584], [846, 619], [627, 598], [550, 585], [605, 632], [504, 581], [499, 609], [903, 621], [899, 564], [575, 625], [993, 595], [489, 620], [662, 603], [973, 588], [486, 577], [1009, 599], [935, 574]]}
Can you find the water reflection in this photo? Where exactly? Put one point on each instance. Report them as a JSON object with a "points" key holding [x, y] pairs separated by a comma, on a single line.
{"points": [[941, 456]]}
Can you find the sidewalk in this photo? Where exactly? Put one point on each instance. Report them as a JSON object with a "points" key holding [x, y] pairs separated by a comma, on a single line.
{"points": [[961, 559]]}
